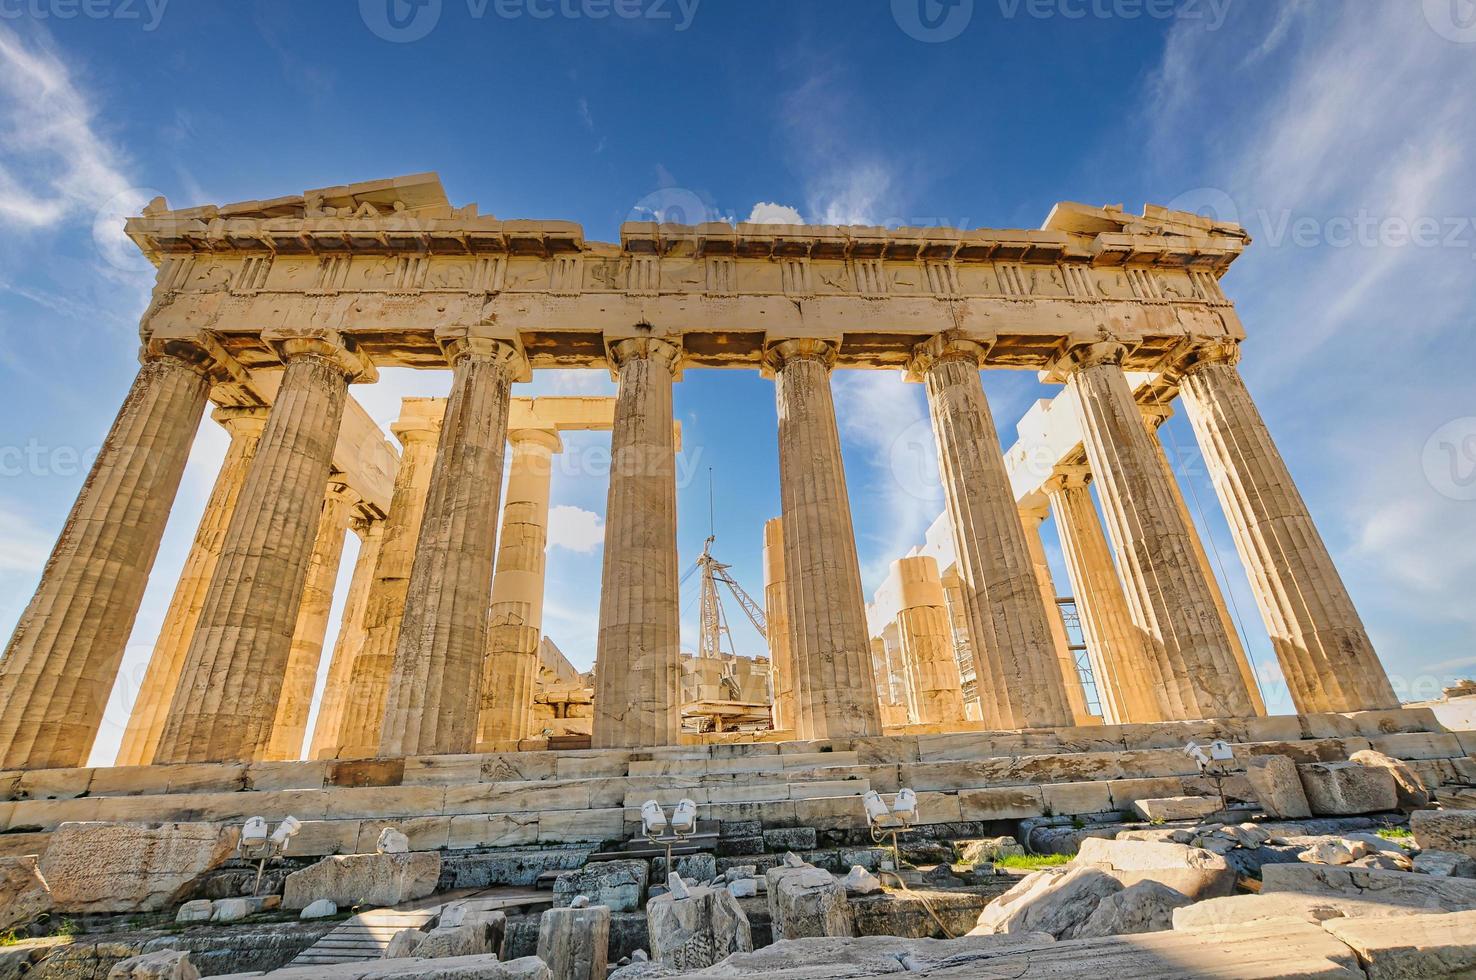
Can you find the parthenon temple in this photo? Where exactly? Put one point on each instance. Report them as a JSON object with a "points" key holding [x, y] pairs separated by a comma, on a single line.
{"points": [[447, 786], [271, 311]]}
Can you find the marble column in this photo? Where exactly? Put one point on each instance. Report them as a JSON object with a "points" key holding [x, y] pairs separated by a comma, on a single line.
{"points": [[637, 699], [1128, 683], [151, 704], [516, 617], [963, 644], [927, 642], [776, 615], [301, 680], [418, 430], [1019, 675], [832, 652], [1324, 650], [894, 697], [62, 660], [1154, 416], [435, 691], [1032, 518], [1175, 609], [350, 641], [226, 700]]}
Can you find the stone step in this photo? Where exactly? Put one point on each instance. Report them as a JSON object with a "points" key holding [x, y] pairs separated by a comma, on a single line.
{"points": [[1382, 728]]}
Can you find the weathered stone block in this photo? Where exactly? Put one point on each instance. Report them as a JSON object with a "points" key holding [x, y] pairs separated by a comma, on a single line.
{"points": [[1192, 871], [164, 964], [1418, 946], [1445, 830], [1399, 888], [1176, 808], [790, 839], [617, 885], [364, 879], [1409, 787], [1345, 788], [23, 892], [575, 942], [806, 901], [1145, 907], [1278, 786], [99, 868], [698, 931], [1053, 902]]}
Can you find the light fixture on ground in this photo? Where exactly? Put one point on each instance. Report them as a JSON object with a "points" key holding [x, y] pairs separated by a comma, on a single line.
{"points": [[257, 845], [655, 824], [890, 820], [1213, 763]]}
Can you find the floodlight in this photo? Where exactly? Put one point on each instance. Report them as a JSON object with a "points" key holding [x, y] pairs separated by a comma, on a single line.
{"points": [[289, 828], [254, 834], [904, 805], [653, 820], [684, 818], [1221, 751], [876, 807], [1193, 751]]}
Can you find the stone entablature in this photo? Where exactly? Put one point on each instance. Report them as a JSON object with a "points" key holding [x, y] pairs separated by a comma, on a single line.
{"points": [[391, 274]]}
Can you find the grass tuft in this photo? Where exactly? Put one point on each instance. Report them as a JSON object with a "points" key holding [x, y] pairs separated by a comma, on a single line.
{"points": [[1033, 862]]}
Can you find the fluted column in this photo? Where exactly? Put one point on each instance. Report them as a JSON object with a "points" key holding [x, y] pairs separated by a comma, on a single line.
{"points": [[1154, 416], [1174, 609], [418, 430], [776, 614], [1032, 518], [350, 641], [1019, 675], [837, 689], [893, 696], [1325, 652], [963, 643], [638, 659], [435, 692], [1128, 682], [60, 664], [296, 701], [927, 642], [516, 617], [226, 699], [151, 705]]}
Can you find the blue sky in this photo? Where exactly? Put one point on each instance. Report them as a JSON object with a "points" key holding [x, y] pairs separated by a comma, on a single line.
{"points": [[1340, 133]]}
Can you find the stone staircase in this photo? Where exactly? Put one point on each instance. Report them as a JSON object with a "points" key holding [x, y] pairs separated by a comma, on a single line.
{"points": [[965, 781]]}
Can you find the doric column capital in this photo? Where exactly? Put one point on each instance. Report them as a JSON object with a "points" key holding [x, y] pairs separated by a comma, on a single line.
{"points": [[200, 352], [1087, 355], [416, 424], [340, 491], [241, 420], [508, 353], [330, 345], [1067, 477], [806, 348], [1209, 352], [668, 352], [947, 346], [529, 439], [1155, 413], [1033, 512]]}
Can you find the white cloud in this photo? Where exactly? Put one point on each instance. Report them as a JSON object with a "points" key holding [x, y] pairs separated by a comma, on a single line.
{"points": [[575, 528], [54, 164], [768, 213]]}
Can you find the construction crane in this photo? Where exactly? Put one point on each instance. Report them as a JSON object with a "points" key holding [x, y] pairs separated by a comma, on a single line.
{"points": [[714, 620]]}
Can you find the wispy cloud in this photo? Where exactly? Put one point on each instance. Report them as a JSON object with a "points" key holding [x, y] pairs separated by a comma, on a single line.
{"points": [[54, 163]]}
